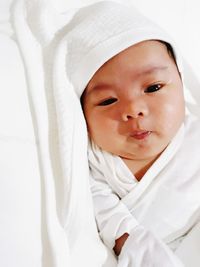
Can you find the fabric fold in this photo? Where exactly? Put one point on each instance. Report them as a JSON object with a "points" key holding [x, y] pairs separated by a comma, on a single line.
{"points": [[62, 153], [33, 64]]}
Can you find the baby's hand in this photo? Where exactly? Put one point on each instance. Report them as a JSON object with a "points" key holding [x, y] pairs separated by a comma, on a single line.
{"points": [[119, 243], [143, 249]]}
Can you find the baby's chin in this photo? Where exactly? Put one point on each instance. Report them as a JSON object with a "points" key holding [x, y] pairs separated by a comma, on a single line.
{"points": [[145, 155]]}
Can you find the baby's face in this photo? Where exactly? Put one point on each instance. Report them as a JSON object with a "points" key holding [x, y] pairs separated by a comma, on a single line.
{"points": [[134, 103]]}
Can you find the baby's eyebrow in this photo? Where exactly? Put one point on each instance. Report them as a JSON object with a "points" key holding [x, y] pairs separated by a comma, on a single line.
{"points": [[152, 69], [101, 85], [145, 71]]}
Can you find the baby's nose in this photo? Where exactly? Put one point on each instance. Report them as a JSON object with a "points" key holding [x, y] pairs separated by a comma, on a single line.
{"points": [[134, 110]]}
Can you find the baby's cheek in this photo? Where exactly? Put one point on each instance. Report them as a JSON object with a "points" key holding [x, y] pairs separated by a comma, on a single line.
{"points": [[172, 116], [170, 109], [96, 126]]}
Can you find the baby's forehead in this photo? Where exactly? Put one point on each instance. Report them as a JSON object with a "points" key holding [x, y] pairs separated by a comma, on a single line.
{"points": [[133, 51], [123, 68], [150, 54]]}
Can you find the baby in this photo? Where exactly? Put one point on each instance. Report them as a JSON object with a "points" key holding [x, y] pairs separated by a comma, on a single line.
{"points": [[134, 108], [143, 153], [134, 105]]}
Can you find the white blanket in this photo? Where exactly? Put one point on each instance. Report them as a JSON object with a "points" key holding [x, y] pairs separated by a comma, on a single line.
{"points": [[166, 201], [188, 250], [20, 184], [71, 232]]}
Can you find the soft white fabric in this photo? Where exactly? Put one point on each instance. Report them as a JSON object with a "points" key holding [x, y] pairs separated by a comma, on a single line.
{"points": [[57, 241], [70, 225], [188, 250], [166, 201], [142, 248], [5, 24], [20, 184], [115, 190]]}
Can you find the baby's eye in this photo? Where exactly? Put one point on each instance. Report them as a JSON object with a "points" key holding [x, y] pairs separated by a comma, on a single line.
{"points": [[107, 102], [153, 88]]}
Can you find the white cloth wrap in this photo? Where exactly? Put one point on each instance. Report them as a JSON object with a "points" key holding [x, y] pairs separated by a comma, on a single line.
{"points": [[165, 202], [112, 184], [70, 233]]}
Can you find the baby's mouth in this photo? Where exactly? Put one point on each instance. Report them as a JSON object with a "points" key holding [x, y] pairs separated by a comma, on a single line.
{"points": [[140, 134]]}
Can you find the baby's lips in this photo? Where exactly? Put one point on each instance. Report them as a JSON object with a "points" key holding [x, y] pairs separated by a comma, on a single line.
{"points": [[140, 134]]}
